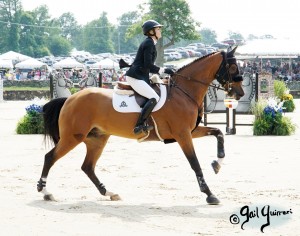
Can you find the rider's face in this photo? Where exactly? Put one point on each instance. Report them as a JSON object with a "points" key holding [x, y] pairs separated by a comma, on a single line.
{"points": [[158, 32]]}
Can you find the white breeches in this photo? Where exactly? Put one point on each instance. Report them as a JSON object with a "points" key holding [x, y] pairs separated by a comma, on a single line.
{"points": [[141, 87]]}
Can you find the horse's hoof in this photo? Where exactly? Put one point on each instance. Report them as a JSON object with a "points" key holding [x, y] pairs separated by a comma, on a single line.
{"points": [[212, 200], [49, 197], [115, 197], [216, 166]]}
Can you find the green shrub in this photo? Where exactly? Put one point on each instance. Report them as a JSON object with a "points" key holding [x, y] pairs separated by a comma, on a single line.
{"points": [[74, 90], [32, 122], [261, 127], [269, 119], [258, 107], [279, 88], [285, 127], [289, 105]]}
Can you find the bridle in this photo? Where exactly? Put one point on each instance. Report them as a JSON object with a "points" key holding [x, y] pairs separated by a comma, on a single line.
{"points": [[223, 76]]}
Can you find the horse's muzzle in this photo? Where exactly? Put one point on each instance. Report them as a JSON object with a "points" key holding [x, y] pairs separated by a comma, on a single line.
{"points": [[236, 90]]}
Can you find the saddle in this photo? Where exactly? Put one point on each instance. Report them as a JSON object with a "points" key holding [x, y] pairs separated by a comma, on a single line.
{"points": [[140, 100]]}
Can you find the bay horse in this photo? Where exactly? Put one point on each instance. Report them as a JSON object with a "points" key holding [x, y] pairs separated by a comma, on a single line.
{"points": [[88, 116]]}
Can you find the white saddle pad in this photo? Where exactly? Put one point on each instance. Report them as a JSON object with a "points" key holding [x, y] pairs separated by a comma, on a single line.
{"points": [[127, 103]]}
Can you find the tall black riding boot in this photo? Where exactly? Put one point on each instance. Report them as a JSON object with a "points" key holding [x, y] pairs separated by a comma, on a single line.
{"points": [[146, 111]]}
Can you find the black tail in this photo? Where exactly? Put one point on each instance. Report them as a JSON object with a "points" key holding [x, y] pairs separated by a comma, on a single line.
{"points": [[51, 112]]}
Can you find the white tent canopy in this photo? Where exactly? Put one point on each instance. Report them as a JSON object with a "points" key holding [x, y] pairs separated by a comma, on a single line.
{"points": [[30, 64], [68, 63], [271, 47], [6, 64], [11, 55], [106, 63]]}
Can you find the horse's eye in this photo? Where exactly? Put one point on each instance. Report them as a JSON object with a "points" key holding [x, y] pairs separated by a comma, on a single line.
{"points": [[233, 69]]}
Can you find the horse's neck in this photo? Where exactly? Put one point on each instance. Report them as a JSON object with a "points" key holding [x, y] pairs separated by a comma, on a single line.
{"points": [[204, 72]]}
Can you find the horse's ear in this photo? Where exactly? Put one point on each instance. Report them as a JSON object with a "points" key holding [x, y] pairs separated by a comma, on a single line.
{"points": [[231, 53]]}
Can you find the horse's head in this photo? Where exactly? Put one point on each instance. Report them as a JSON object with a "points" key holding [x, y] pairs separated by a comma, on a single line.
{"points": [[228, 75]]}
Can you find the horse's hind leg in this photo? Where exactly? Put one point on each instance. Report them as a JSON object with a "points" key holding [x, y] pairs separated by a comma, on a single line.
{"points": [[95, 145], [201, 131], [51, 157]]}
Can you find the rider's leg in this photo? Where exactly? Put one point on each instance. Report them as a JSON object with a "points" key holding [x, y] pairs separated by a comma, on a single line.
{"points": [[146, 111], [145, 90]]}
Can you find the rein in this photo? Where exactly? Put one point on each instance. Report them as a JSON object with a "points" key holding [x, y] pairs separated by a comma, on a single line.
{"points": [[215, 88], [197, 81], [219, 77]]}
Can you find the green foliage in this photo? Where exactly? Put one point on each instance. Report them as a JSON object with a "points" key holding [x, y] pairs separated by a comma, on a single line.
{"points": [[36, 34], [99, 40], [26, 84], [289, 105], [41, 52], [74, 90], [59, 46], [284, 127], [26, 89], [270, 121], [32, 122], [288, 102], [261, 127], [176, 18], [258, 107], [235, 35], [208, 36], [121, 42], [279, 88], [69, 26]]}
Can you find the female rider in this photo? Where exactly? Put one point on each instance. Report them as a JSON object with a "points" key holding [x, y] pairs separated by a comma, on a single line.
{"points": [[138, 74]]}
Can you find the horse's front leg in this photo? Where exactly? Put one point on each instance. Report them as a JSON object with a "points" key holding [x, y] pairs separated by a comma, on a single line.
{"points": [[186, 144], [201, 131]]}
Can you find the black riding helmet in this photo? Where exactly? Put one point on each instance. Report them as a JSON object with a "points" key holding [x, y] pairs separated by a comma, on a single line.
{"points": [[149, 25]]}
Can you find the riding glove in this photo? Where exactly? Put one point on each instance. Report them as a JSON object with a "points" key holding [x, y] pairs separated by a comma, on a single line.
{"points": [[169, 71]]}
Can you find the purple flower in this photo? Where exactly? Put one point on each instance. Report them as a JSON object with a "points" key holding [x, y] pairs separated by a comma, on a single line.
{"points": [[270, 111], [34, 109]]}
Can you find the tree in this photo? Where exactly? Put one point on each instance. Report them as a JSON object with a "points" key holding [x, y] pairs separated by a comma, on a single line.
{"points": [[252, 36], [98, 35], [33, 32], [175, 15], [208, 36], [69, 26], [10, 11], [27, 38], [59, 46], [235, 35], [121, 42], [41, 21]]}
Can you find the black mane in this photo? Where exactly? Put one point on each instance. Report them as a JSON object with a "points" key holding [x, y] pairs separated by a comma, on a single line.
{"points": [[198, 59]]}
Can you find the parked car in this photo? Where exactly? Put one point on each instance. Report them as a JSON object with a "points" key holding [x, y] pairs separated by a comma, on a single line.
{"points": [[220, 46], [203, 51], [87, 64], [175, 53], [197, 45], [231, 42], [168, 56], [240, 41], [211, 49], [183, 53]]}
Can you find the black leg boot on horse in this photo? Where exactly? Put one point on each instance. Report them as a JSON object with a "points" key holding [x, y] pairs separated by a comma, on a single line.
{"points": [[146, 111]]}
